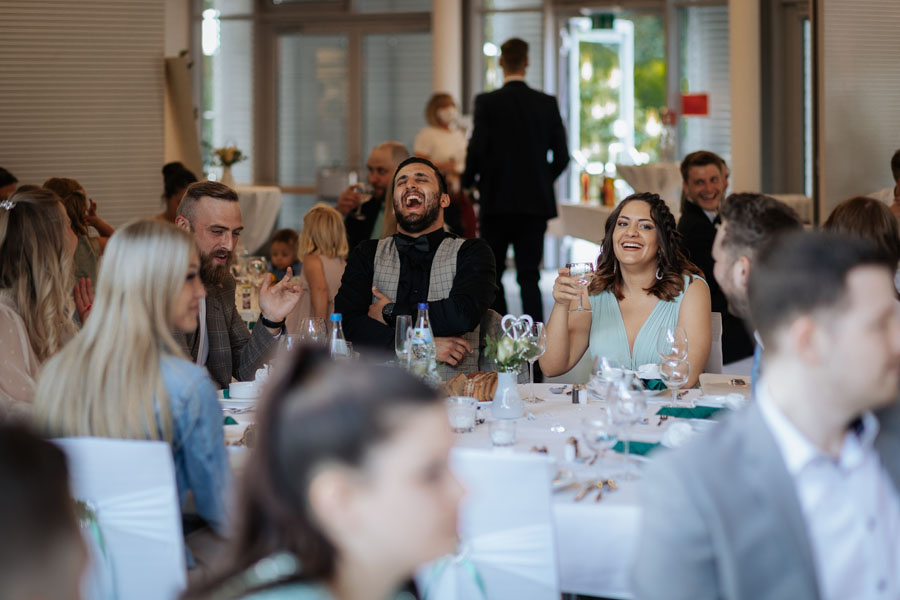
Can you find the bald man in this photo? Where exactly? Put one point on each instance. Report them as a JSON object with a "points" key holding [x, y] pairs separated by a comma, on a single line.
{"points": [[377, 217]]}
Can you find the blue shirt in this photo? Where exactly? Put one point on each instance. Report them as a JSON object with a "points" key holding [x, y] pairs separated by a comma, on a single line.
{"points": [[198, 440], [280, 273]]}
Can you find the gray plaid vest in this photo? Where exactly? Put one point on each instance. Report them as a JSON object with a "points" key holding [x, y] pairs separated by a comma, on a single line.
{"points": [[443, 270]]}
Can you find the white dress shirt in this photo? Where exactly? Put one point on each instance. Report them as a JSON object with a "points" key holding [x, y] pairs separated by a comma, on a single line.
{"points": [[886, 195], [203, 350], [850, 505]]}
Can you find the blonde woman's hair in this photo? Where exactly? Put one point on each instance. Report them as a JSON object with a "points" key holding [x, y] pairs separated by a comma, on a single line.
{"points": [[107, 381], [74, 199], [323, 233], [36, 268]]}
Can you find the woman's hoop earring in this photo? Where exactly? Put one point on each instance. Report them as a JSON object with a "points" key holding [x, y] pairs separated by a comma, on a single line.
{"points": [[658, 275]]}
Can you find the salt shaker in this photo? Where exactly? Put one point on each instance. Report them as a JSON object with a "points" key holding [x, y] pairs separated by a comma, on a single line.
{"points": [[571, 450], [579, 395]]}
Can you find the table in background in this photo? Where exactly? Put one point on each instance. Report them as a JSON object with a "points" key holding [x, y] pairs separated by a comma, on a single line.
{"points": [[663, 178], [584, 221], [259, 209]]}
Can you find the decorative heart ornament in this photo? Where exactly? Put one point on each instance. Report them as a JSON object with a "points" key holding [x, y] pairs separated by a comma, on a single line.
{"points": [[516, 327]]}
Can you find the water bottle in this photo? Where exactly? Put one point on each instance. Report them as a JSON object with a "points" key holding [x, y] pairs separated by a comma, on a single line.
{"points": [[338, 345], [422, 349]]}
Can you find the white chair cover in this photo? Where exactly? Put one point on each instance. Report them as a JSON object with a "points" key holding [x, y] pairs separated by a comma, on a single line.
{"points": [[508, 547], [130, 487], [714, 362]]}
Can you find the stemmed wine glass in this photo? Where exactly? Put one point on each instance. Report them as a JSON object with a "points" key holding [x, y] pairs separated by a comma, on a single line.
{"points": [[627, 410], [314, 332], [583, 272], [537, 339], [605, 374], [600, 434], [672, 343], [674, 374], [364, 191], [401, 338], [256, 269]]}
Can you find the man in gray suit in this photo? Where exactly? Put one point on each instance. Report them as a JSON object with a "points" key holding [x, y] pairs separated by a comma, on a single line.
{"points": [[222, 341], [797, 495]]}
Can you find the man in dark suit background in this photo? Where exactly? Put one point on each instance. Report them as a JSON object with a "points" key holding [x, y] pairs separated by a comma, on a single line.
{"points": [[514, 129], [704, 177]]}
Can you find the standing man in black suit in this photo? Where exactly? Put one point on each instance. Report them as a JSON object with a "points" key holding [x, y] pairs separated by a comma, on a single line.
{"points": [[507, 160], [704, 177]]}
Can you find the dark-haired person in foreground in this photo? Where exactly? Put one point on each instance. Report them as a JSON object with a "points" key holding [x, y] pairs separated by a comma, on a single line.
{"points": [[337, 507], [422, 263], [42, 554], [8, 183], [222, 343], [797, 495], [749, 223]]}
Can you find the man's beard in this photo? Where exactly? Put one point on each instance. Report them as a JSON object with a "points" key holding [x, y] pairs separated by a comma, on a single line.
{"points": [[417, 223], [212, 273]]}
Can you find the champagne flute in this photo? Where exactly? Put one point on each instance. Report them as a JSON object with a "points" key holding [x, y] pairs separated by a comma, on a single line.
{"points": [[537, 338], [401, 338], [364, 191], [583, 272], [674, 374], [672, 343]]}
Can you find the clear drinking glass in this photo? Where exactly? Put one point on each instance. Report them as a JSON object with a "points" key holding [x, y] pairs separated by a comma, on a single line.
{"points": [[628, 410], [583, 273], [256, 269], [401, 338], [537, 337], [674, 373], [605, 374], [672, 343], [364, 191], [314, 332], [600, 434]]}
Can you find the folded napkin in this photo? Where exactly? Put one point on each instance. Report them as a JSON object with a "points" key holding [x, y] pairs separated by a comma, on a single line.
{"points": [[698, 412], [677, 434], [654, 384], [230, 421], [639, 448], [225, 394]]}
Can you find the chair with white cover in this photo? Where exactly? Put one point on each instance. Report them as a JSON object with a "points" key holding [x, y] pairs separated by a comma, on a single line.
{"points": [[129, 486], [507, 542], [714, 362]]}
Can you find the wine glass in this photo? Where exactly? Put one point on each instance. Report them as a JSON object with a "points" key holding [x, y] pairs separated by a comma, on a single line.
{"points": [[600, 434], [256, 269], [364, 191], [605, 373], [672, 343], [627, 410], [314, 332], [401, 338], [674, 374], [537, 339], [583, 272]]}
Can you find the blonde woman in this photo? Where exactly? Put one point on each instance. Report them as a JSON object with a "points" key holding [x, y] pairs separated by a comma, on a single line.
{"points": [[36, 308], [124, 375], [323, 252], [82, 212]]}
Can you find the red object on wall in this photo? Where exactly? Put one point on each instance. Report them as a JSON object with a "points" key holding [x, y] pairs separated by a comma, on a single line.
{"points": [[695, 105]]}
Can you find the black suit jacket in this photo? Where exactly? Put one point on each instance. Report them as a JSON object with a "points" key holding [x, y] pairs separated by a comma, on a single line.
{"points": [[697, 236], [515, 127]]}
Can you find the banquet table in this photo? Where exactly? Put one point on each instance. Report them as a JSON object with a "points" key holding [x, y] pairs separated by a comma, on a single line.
{"points": [[596, 541], [259, 209], [584, 221], [663, 178]]}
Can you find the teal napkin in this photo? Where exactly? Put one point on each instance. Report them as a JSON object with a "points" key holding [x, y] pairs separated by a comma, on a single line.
{"points": [[230, 421], [225, 394], [639, 448], [654, 384], [698, 412]]}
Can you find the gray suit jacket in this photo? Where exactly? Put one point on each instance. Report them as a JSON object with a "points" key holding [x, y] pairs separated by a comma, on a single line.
{"points": [[721, 518], [233, 351]]}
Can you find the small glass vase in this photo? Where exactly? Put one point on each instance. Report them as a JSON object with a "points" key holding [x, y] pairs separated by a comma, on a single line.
{"points": [[507, 403], [227, 177]]}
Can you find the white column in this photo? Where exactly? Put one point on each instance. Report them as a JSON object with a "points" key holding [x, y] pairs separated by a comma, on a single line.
{"points": [[746, 110], [446, 47]]}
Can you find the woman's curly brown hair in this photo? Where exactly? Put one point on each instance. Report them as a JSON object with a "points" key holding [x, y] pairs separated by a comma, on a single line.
{"points": [[672, 264]]}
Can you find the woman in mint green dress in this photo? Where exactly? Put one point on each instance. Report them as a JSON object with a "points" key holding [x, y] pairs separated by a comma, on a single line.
{"points": [[347, 490], [642, 284]]}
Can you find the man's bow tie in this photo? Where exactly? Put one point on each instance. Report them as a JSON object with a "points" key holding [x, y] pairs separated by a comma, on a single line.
{"points": [[403, 243]]}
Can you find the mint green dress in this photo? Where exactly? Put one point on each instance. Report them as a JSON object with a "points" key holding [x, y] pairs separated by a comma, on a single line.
{"points": [[608, 337]]}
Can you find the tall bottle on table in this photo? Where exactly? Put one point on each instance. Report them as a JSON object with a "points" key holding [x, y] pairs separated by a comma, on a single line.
{"points": [[422, 348], [338, 344]]}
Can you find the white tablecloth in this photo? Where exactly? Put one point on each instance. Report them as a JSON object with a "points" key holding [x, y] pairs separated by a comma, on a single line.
{"points": [[662, 178], [596, 541], [259, 209], [585, 221]]}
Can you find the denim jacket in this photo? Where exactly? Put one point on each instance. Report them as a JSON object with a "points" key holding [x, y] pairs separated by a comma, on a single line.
{"points": [[198, 440]]}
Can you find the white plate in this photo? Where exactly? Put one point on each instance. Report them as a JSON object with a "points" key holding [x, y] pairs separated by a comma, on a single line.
{"points": [[238, 403]]}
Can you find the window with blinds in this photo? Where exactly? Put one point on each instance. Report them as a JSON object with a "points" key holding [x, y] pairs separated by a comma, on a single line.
{"points": [[82, 97], [704, 53]]}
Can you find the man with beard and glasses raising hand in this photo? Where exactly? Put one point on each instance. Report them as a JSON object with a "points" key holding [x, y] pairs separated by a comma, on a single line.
{"points": [[222, 342], [421, 263]]}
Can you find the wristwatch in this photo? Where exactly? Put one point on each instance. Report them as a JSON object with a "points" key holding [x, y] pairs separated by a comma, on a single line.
{"points": [[272, 324], [387, 313]]}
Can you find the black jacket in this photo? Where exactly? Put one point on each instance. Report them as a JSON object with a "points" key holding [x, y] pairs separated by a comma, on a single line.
{"points": [[514, 128]]}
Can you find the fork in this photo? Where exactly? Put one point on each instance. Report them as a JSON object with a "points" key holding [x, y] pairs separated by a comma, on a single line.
{"points": [[661, 419], [587, 489]]}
